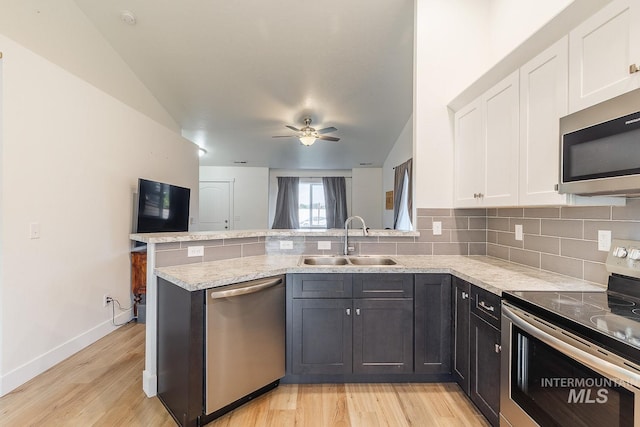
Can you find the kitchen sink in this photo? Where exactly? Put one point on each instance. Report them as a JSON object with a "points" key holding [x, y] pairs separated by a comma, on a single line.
{"points": [[324, 260], [371, 260], [352, 260]]}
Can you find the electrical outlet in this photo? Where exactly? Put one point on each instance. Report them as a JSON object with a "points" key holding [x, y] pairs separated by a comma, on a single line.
{"points": [[195, 251], [437, 228], [106, 300], [518, 231], [604, 240], [286, 244], [324, 245]]}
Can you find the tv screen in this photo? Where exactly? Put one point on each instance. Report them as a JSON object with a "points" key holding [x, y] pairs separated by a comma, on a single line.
{"points": [[162, 207]]}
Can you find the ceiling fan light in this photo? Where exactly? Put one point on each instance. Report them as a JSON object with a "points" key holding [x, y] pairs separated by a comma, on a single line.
{"points": [[307, 140]]}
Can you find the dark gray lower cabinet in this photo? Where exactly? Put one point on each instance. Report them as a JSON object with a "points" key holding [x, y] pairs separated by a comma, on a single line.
{"points": [[342, 336], [432, 311], [485, 368], [460, 339], [181, 352], [476, 346], [321, 336], [383, 336]]}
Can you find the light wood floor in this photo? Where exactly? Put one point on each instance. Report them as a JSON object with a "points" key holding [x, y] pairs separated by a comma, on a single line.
{"points": [[102, 386]]}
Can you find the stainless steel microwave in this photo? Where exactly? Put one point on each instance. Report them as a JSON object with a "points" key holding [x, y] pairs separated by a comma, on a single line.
{"points": [[600, 148]]}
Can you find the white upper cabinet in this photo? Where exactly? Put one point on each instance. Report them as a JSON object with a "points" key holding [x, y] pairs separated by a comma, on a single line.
{"points": [[486, 148], [501, 118], [469, 154], [543, 100], [603, 54]]}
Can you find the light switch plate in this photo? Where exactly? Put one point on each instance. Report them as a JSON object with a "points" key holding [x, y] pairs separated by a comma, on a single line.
{"points": [[604, 240], [195, 251], [437, 228], [518, 231], [324, 245], [34, 230], [286, 244]]}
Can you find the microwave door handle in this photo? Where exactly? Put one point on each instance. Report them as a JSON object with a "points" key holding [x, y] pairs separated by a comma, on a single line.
{"points": [[597, 364]]}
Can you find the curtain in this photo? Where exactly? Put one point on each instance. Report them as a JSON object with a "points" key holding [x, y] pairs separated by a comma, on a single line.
{"points": [[335, 200], [287, 203], [402, 172]]}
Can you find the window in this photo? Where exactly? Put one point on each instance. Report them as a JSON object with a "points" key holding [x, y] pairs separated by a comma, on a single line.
{"points": [[311, 205]]}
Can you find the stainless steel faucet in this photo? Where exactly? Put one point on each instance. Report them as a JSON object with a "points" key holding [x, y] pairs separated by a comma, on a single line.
{"points": [[346, 232]]}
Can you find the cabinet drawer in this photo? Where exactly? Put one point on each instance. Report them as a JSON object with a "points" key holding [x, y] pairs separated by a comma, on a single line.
{"points": [[486, 305], [381, 285], [322, 286]]}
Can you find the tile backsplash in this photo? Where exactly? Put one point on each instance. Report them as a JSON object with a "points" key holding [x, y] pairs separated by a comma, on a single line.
{"points": [[558, 239], [561, 239]]}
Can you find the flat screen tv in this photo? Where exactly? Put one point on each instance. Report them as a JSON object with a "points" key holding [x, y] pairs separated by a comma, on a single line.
{"points": [[162, 207]]}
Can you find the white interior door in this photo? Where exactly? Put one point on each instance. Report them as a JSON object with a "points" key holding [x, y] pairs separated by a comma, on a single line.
{"points": [[215, 205]]}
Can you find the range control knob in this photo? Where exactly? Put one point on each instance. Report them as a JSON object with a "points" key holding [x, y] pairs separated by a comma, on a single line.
{"points": [[620, 252], [634, 254]]}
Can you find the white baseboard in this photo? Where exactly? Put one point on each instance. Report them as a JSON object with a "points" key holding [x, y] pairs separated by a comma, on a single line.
{"points": [[13, 379]]}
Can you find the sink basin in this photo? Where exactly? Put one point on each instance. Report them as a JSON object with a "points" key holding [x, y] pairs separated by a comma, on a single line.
{"points": [[371, 260], [324, 260]]}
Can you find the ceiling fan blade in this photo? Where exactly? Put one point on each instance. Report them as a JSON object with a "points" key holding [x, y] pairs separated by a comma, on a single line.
{"points": [[328, 138], [327, 130], [292, 128], [283, 136]]}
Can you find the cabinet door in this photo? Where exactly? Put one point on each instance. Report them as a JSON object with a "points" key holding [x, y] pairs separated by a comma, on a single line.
{"points": [[432, 314], [485, 368], [501, 117], [543, 100], [601, 49], [461, 333], [322, 336], [383, 336], [469, 155]]}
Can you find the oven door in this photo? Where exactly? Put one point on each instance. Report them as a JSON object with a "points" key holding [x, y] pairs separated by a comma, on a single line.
{"points": [[552, 378]]}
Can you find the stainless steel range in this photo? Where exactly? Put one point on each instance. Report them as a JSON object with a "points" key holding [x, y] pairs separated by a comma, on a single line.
{"points": [[573, 358]]}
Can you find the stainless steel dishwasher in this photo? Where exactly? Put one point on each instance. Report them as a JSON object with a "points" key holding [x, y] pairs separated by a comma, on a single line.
{"points": [[245, 342]]}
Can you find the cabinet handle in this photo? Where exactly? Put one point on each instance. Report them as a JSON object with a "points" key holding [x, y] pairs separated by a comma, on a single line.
{"points": [[633, 68], [498, 348], [357, 312], [475, 195], [487, 307], [348, 312], [480, 195], [465, 295]]}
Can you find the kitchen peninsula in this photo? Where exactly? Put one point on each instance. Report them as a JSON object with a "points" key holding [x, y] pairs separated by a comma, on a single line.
{"points": [[236, 256]]}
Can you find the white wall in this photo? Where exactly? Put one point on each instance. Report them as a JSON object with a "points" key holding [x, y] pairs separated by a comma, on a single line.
{"points": [[367, 198], [71, 157], [250, 193], [401, 151], [60, 32], [451, 51], [512, 22]]}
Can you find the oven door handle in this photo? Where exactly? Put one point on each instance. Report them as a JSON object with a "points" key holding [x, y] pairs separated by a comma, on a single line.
{"points": [[605, 367]]}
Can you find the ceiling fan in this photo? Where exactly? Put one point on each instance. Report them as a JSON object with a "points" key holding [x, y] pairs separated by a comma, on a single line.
{"points": [[308, 135]]}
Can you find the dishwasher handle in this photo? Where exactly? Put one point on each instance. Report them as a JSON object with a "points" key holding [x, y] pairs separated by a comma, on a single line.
{"points": [[247, 288]]}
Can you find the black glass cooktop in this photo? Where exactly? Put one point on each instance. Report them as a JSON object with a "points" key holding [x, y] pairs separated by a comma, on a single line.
{"points": [[610, 319]]}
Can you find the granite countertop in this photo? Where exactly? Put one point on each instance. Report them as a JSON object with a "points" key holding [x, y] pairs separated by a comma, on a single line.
{"points": [[238, 234], [491, 274]]}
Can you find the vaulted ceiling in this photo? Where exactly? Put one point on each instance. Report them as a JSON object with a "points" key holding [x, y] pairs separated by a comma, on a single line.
{"points": [[234, 73]]}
